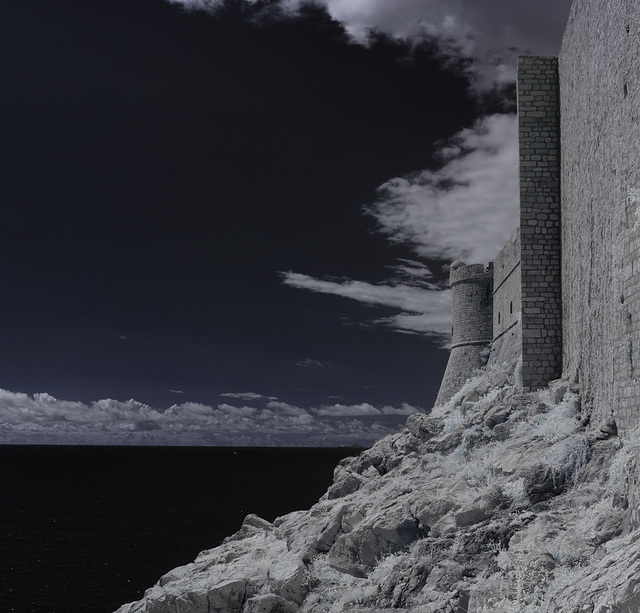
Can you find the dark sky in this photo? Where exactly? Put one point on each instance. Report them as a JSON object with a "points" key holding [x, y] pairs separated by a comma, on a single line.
{"points": [[162, 169]]}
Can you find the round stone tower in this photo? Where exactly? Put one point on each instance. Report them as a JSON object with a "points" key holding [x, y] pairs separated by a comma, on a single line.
{"points": [[472, 319]]}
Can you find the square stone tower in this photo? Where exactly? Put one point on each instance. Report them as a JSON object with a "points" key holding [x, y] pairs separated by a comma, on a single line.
{"points": [[540, 231], [523, 316]]}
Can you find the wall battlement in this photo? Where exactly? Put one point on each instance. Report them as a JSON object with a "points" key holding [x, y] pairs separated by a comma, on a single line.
{"points": [[468, 273]]}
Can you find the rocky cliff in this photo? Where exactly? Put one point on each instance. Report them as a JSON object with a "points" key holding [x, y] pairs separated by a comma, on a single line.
{"points": [[497, 501]]}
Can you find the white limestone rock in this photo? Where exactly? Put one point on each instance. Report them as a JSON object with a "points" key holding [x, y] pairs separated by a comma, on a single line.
{"points": [[288, 577], [224, 597], [503, 504], [357, 552], [269, 603]]}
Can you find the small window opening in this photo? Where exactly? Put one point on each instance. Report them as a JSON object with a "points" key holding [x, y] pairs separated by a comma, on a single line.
{"points": [[625, 89], [510, 308], [498, 317]]}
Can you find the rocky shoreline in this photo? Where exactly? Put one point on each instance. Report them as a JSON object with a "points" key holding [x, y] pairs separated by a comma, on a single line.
{"points": [[498, 501]]}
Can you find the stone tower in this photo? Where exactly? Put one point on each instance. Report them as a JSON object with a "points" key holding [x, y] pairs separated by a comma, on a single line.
{"points": [[472, 331], [540, 227]]}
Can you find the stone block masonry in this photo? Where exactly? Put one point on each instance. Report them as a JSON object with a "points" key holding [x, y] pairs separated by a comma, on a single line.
{"points": [[600, 114], [524, 316], [579, 253], [472, 329], [507, 304], [540, 244]]}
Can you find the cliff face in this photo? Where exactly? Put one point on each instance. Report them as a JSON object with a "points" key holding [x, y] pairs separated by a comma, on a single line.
{"points": [[502, 501]]}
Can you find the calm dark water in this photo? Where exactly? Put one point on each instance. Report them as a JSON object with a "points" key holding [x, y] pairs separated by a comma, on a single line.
{"points": [[90, 528]]}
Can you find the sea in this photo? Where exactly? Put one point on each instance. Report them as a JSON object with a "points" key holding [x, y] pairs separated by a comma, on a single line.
{"points": [[88, 529]]}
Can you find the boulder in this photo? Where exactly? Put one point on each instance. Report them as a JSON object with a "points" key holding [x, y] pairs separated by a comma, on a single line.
{"points": [[429, 513], [445, 574], [545, 469], [423, 426], [330, 530], [447, 441], [288, 578], [358, 552], [471, 516], [269, 603], [405, 581], [225, 597], [345, 485], [497, 414], [251, 525]]}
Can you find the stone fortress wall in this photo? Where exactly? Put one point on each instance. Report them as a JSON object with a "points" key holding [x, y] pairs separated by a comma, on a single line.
{"points": [[578, 271], [600, 172], [507, 304], [472, 324], [539, 146], [525, 310]]}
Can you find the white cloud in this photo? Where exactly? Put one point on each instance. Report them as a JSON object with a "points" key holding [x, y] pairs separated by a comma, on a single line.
{"points": [[363, 409], [466, 209], [424, 311], [339, 410], [309, 363], [247, 396], [43, 419], [432, 323], [199, 5], [398, 296], [284, 408], [490, 33], [414, 272]]}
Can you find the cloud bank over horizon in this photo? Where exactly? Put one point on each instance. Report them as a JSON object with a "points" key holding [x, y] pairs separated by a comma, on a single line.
{"points": [[266, 421]]}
